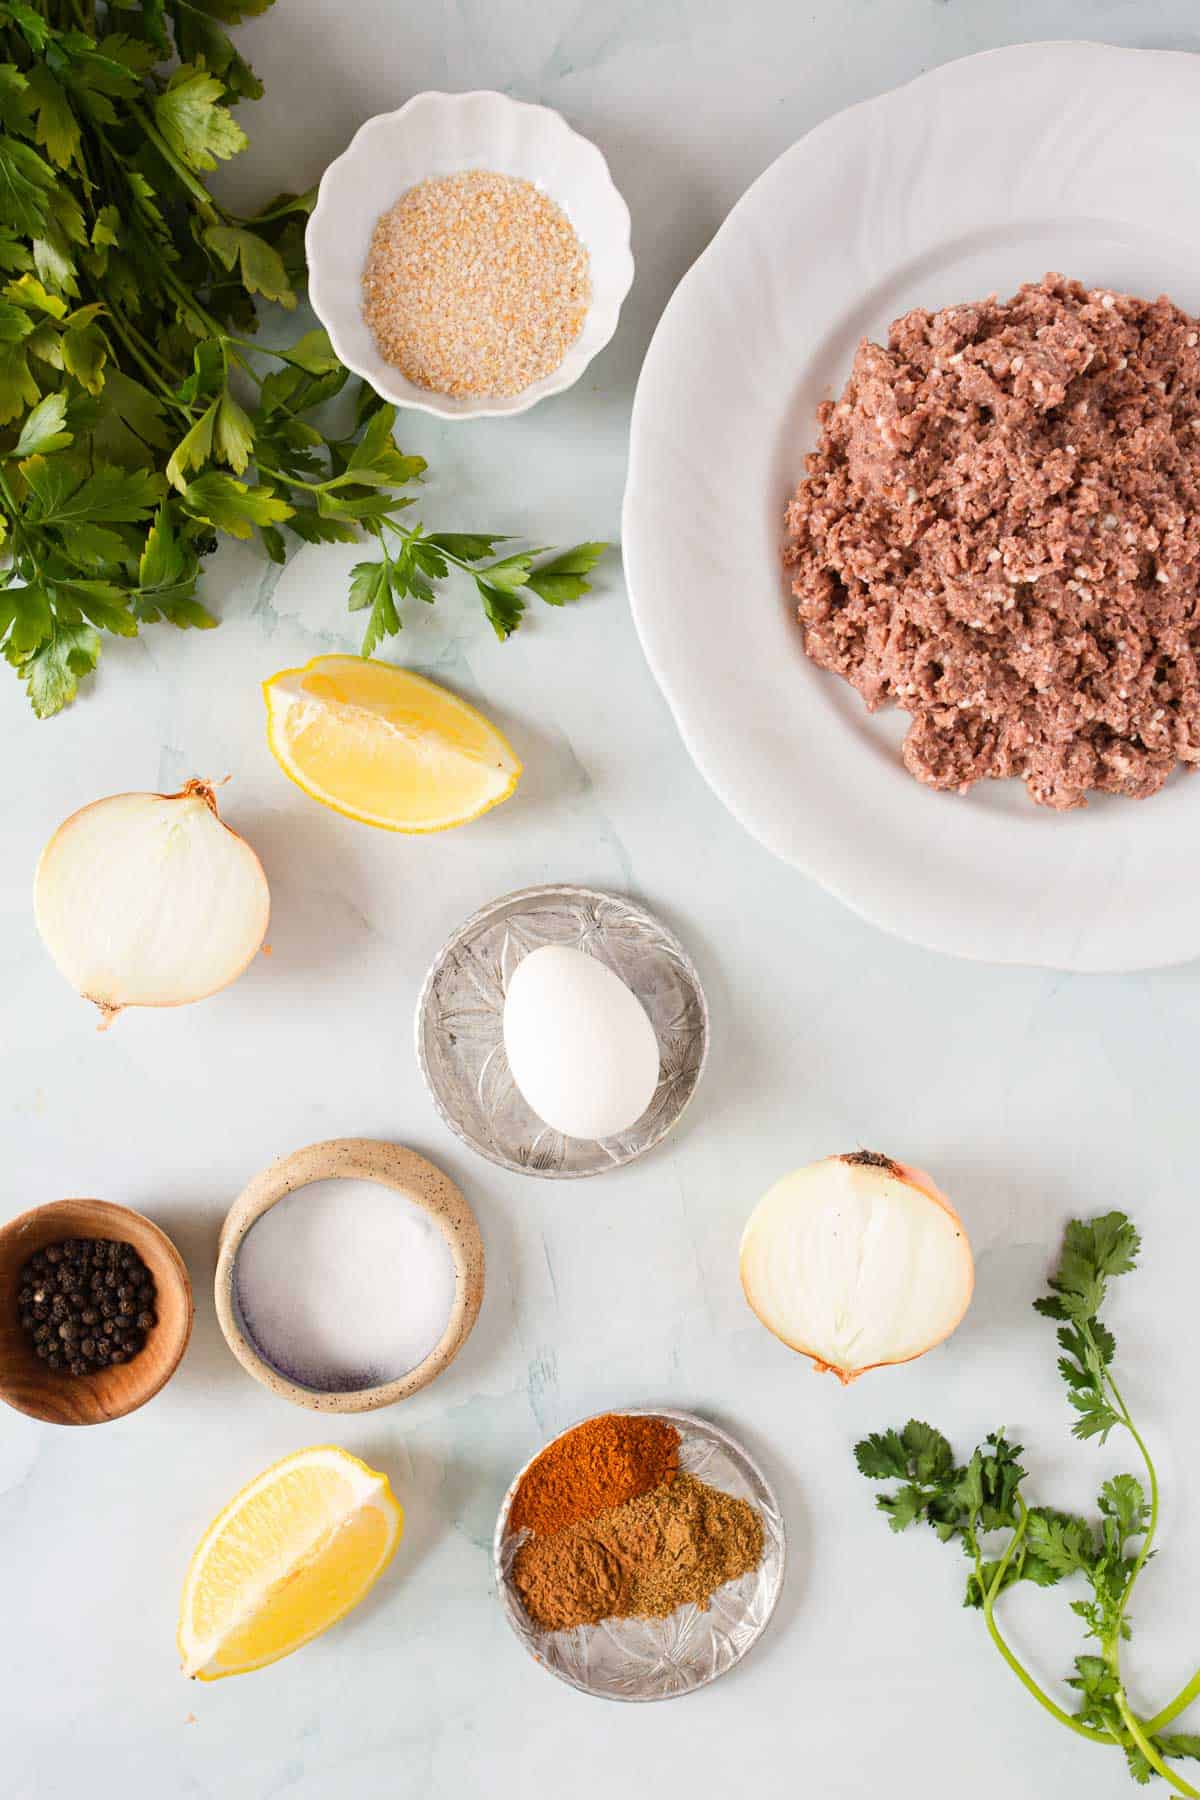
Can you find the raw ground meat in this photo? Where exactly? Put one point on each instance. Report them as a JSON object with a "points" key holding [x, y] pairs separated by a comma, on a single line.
{"points": [[1000, 532]]}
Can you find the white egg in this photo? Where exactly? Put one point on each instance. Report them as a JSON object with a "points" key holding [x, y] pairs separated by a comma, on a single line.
{"points": [[579, 1043]]}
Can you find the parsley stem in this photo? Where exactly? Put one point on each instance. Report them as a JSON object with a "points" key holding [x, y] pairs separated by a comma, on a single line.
{"points": [[127, 336], [266, 468], [276, 212], [197, 189], [14, 515], [411, 532]]}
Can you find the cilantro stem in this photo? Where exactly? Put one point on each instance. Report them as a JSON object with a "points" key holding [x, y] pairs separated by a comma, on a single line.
{"points": [[1180, 1703], [1152, 1477], [1138, 1733], [990, 1595], [1191, 1691]]}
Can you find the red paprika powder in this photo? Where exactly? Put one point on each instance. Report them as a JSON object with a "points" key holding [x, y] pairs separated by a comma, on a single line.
{"points": [[602, 1463]]}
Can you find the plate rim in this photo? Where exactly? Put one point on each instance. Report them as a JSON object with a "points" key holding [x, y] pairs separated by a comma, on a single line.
{"points": [[675, 1415], [670, 685]]}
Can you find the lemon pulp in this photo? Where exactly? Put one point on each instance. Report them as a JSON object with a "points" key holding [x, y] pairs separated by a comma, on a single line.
{"points": [[386, 746], [288, 1557]]}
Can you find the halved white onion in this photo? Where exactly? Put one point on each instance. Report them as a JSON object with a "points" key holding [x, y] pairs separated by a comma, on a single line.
{"points": [[149, 900], [856, 1262]]}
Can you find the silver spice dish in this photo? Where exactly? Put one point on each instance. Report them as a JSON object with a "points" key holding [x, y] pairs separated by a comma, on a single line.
{"points": [[657, 1659]]}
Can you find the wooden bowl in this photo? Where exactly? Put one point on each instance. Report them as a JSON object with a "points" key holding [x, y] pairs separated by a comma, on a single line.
{"points": [[61, 1399], [359, 1159]]}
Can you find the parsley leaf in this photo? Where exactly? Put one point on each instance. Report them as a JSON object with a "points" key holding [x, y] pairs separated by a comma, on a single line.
{"points": [[139, 423], [196, 127]]}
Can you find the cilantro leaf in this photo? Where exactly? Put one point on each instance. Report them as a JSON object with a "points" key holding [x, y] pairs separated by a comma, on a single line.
{"points": [[1177, 1744], [882, 1456], [981, 1506], [1061, 1543]]}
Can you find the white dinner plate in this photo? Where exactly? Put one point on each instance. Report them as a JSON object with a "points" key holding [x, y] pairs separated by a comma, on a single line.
{"points": [[979, 176]]}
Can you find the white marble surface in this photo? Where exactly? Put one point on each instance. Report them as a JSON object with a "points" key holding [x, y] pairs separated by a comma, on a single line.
{"points": [[1031, 1096]]}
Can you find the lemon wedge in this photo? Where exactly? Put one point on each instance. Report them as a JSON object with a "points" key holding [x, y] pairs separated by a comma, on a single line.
{"points": [[385, 745], [288, 1557]]}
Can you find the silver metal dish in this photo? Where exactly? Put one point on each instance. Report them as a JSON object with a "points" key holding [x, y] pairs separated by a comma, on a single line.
{"points": [[460, 1024], [656, 1659]]}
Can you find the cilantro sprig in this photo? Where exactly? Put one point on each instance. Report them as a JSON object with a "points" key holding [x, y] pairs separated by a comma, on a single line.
{"points": [[139, 423], [981, 1506]]}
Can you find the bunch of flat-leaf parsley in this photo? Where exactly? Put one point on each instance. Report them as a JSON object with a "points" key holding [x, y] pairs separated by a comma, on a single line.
{"points": [[1005, 1539], [134, 425]]}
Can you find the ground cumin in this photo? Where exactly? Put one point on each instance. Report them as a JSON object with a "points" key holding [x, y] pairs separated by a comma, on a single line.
{"points": [[598, 1465], [677, 1544]]}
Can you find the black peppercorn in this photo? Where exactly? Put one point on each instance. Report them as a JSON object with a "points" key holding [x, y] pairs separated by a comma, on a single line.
{"points": [[85, 1304]]}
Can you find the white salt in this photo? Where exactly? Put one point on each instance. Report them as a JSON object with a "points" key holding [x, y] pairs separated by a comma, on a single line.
{"points": [[344, 1284]]}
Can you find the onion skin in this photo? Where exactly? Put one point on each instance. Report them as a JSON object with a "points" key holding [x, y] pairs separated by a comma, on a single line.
{"points": [[194, 789], [923, 1183]]}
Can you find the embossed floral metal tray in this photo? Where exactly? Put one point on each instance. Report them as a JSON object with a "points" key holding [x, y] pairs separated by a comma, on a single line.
{"points": [[460, 1018], [656, 1659]]}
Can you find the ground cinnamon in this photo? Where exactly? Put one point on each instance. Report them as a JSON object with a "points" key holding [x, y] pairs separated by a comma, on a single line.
{"points": [[677, 1544], [599, 1465]]}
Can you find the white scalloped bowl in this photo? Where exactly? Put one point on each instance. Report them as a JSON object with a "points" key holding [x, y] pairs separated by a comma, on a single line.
{"points": [[443, 134]]}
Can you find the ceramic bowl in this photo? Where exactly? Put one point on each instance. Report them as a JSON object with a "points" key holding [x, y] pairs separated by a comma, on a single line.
{"points": [[443, 134], [355, 1159], [25, 1382]]}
